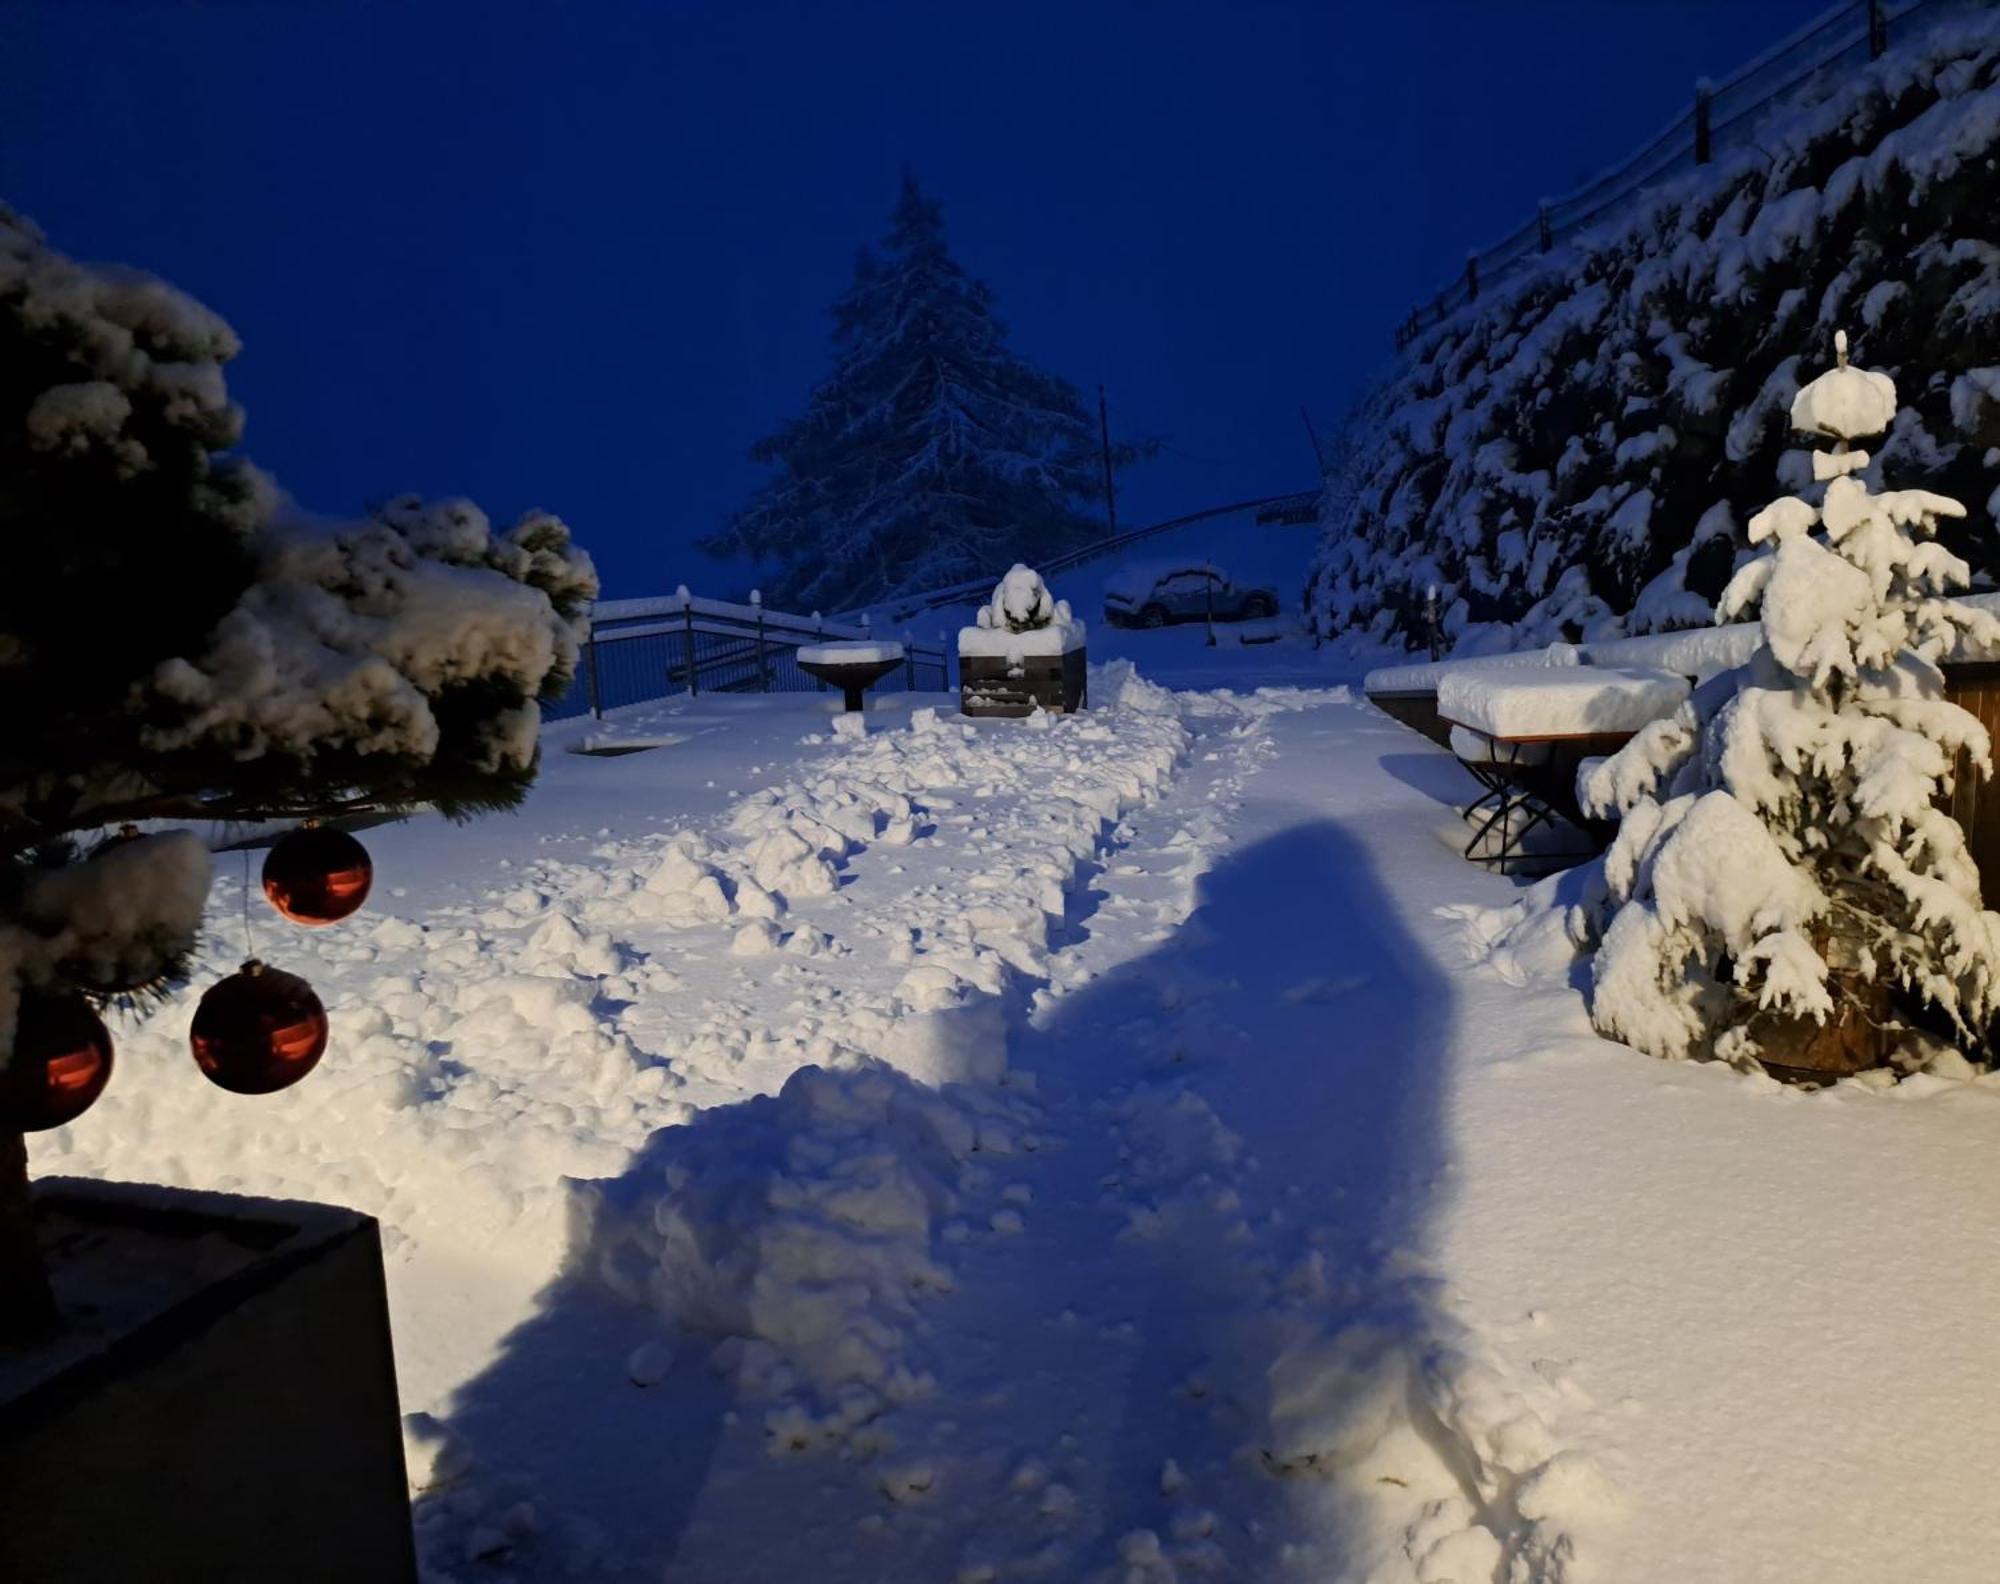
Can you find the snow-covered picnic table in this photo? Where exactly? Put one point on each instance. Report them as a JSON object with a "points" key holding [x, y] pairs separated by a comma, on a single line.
{"points": [[1542, 705], [1522, 733]]}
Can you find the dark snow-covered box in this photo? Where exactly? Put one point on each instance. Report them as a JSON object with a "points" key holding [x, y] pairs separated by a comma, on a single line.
{"points": [[221, 1405], [1025, 651], [1004, 684]]}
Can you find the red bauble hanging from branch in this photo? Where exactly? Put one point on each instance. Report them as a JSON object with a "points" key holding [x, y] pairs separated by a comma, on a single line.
{"points": [[317, 875], [60, 1063], [258, 1031]]}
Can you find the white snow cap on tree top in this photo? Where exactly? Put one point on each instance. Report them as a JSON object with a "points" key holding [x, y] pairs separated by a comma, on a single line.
{"points": [[1845, 403], [1021, 603]]}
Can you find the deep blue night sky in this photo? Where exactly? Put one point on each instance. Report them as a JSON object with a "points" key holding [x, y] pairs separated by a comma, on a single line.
{"points": [[579, 255]]}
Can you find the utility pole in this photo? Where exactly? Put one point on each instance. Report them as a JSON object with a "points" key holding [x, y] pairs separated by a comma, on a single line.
{"points": [[1104, 440], [1313, 435]]}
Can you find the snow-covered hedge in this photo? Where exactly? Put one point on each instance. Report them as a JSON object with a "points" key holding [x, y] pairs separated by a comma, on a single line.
{"points": [[1576, 454]]}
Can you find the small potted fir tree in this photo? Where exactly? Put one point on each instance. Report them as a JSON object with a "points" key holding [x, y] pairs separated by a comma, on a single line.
{"points": [[1784, 876]]}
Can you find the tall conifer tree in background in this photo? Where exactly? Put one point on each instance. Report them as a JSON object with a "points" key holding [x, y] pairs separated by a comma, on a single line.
{"points": [[933, 454]]}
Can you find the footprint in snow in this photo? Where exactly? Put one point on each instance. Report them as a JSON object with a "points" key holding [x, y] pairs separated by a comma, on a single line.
{"points": [[1319, 988]]}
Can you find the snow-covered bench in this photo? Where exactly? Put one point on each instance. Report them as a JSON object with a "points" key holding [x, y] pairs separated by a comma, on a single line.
{"points": [[1523, 733], [1409, 693], [1697, 653]]}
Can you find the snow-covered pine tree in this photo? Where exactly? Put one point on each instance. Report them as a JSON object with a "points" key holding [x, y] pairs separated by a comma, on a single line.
{"points": [[933, 454], [1783, 865], [176, 646]]}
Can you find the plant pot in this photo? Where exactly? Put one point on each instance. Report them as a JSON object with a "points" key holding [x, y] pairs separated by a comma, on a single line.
{"points": [[1858, 1035], [220, 1405]]}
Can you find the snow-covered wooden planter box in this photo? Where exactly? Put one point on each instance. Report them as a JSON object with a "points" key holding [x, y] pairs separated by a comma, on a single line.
{"points": [[1026, 651], [220, 1406], [1010, 685]]}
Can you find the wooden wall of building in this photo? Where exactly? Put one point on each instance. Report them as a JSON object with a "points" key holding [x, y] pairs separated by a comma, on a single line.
{"points": [[1975, 801]]}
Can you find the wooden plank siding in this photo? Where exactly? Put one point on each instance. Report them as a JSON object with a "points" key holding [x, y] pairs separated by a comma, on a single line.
{"points": [[1975, 800]]}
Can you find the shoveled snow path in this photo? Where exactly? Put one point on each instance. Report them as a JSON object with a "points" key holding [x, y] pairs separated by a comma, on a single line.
{"points": [[1021, 1462], [1199, 1335]]}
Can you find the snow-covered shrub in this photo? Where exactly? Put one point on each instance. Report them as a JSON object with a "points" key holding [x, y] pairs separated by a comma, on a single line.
{"points": [[1782, 865], [176, 644], [1575, 454]]}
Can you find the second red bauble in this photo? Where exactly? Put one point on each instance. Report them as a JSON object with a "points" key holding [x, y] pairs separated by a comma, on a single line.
{"points": [[317, 875], [60, 1064], [258, 1031]]}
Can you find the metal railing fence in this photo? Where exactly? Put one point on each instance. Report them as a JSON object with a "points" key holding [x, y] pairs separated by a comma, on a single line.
{"points": [[1721, 117], [643, 649]]}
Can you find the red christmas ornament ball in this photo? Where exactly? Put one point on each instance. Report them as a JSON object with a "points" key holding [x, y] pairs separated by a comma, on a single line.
{"points": [[60, 1063], [258, 1031], [316, 875]]}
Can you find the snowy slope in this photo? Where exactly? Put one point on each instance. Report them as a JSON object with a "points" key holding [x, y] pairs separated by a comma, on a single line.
{"points": [[1575, 454]]}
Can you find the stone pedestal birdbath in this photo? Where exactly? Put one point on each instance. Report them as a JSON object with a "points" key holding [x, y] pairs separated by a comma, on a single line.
{"points": [[853, 667]]}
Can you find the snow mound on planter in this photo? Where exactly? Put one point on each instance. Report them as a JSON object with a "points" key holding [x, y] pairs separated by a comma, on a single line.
{"points": [[1022, 618]]}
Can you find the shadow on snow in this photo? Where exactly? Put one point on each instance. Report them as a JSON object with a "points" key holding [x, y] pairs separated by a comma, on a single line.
{"points": [[1239, 1151]]}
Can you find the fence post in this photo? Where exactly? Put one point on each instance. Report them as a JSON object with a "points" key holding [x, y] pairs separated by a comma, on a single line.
{"points": [[1104, 444], [1547, 235], [687, 615], [909, 662], [944, 659], [819, 631], [763, 667], [590, 673], [1703, 142], [1472, 277], [1878, 30]]}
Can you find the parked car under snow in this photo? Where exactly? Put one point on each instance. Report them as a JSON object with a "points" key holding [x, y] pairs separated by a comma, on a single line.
{"points": [[1154, 593]]}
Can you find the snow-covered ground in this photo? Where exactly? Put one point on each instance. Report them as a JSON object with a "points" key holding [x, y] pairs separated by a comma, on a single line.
{"points": [[1124, 1147]]}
